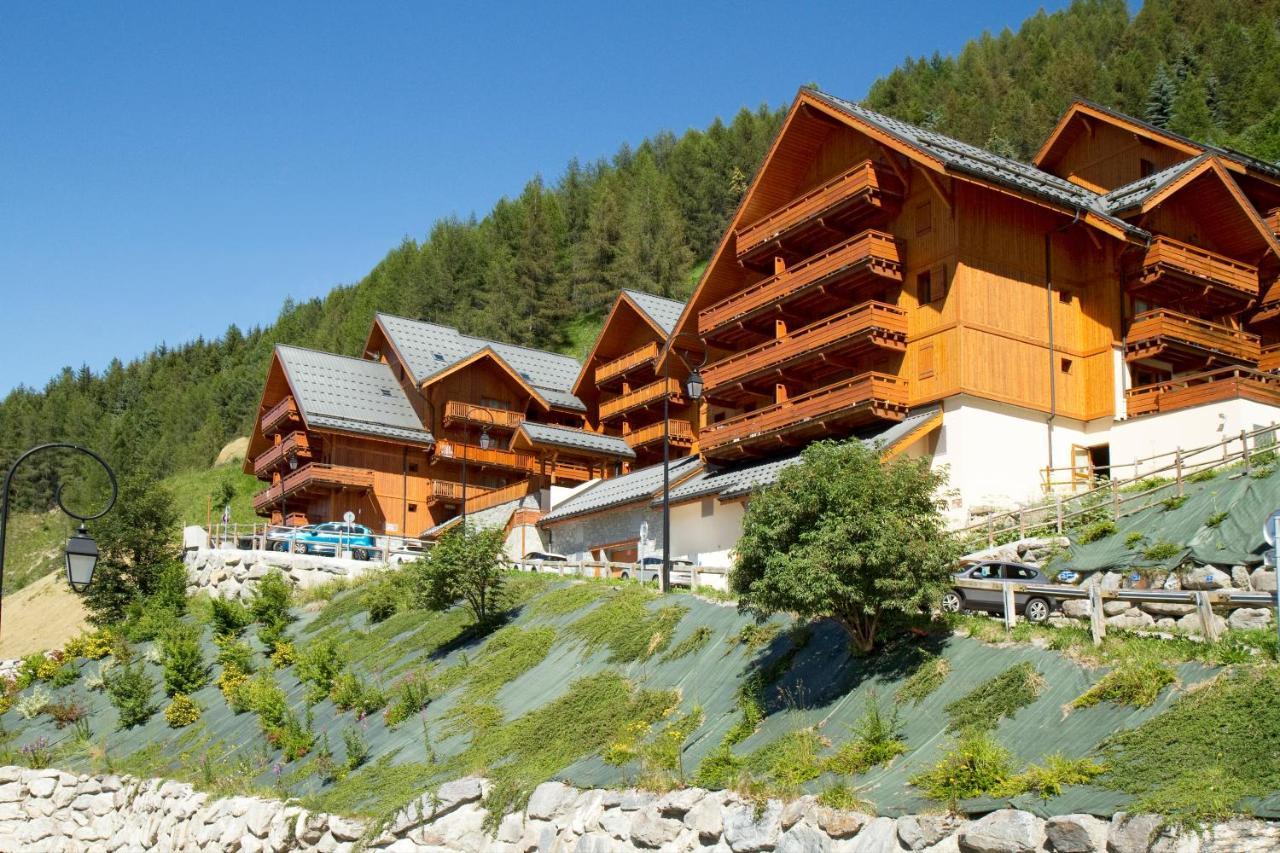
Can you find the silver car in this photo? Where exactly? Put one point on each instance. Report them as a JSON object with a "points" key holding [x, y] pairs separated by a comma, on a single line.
{"points": [[1036, 607]]}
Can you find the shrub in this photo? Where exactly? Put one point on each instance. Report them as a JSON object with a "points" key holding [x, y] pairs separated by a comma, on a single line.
{"points": [[356, 746], [1132, 540], [48, 666], [232, 683], [270, 608], [408, 697], [323, 764], [264, 697], [182, 711], [975, 766], [97, 680], [318, 665], [1203, 475], [93, 645], [185, 670], [1216, 519], [228, 617], [66, 713], [64, 676], [983, 708], [1097, 530], [294, 738], [464, 565], [1133, 682], [1161, 551], [349, 692], [1056, 773], [841, 797], [130, 688], [32, 705], [233, 654], [283, 655], [1174, 502], [38, 754], [382, 598]]}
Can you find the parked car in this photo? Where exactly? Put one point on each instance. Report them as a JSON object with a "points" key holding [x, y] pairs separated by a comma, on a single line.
{"points": [[1036, 607], [540, 558], [649, 569], [278, 538], [329, 539]]}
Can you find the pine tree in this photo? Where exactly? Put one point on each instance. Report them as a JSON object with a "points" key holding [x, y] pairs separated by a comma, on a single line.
{"points": [[1191, 114], [1160, 98], [654, 257]]}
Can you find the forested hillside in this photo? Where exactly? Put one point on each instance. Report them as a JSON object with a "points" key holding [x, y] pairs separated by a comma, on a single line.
{"points": [[544, 262]]}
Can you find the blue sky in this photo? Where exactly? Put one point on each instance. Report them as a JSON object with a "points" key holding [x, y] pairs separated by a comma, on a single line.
{"points": [[168, 169]]}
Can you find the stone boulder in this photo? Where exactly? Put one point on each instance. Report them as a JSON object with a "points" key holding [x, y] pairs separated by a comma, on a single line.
{"points": [[1004, 831], [1204, 577], [1076, 833], [1171, 609], [1250, 617], [1240, 578], [1190, 624], [1132, 833], [1131, 619], [1263, 580]]}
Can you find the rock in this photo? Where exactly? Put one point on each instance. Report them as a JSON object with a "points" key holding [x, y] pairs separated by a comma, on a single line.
{"points": [[1114, 608], [796, 810], [549, 799], [1263, 580], [1111, 580], [1204, 577], [677, 803], [1249, 617], [744, 831], [1132, 833], [1240, 577], [616, 822], [42, 787], [345, 830], [450, 795], [704, 819], [633, 800], [1131, 619], [878, 836], [1078, 608], [840, 824], [650, 830], [1076, 833], [803, 837], [1244, 835], [595, 842], [1170, 609], [917, 832], [1004, 831], [1191, 623]]}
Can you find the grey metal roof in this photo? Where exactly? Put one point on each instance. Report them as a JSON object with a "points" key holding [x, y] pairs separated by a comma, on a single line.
{"points": [[577, 439], [1137, 192], [429, 349], [665, 312], [963, 157], [735, 482], [350, 394], [637, 486]]}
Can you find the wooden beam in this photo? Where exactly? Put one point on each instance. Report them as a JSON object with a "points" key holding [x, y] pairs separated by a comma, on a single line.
{"points": [[937, 186]]}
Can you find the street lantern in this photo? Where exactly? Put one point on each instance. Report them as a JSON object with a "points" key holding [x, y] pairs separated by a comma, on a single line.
{"points": [[484, 440], [82, 558], [694, 385], [293, 462]]}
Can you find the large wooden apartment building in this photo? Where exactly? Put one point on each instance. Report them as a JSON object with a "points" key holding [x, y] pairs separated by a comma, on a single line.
{"points": [[428, 420]]}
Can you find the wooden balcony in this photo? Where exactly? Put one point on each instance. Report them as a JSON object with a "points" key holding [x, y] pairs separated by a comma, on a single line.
{"points": [[492, 457], [611, 372], [1273, 220], [446, 491], [1212, 386], [1269, 358], [284, 411], [681, 435], [826, 277], [1190, 341], [850, 333], [1173, 271], [831, 409], [315, 476], [457, 411], [646, 395], [294, 444], [866, 192]]}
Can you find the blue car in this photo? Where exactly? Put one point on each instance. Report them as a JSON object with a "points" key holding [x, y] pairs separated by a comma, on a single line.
{"points": [[329, 539]]}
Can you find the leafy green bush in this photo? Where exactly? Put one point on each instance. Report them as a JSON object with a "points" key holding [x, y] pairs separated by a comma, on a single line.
{"points": [[1160, 551], [234, 654], [349, 692], [318, 665], [409, 696], [1135, 682], [228, 617], [182, 711], [465, 566], [382, 597], [269, 605], [356, 746], [1174, 502], [65, 675], [977, 765], [130, 688], [877, 740], [1097, 530], [983, 708], [185, 671]]}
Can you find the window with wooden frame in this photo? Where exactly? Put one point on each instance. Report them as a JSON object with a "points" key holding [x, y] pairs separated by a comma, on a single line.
{"points": [[924, 217], [924, 287], [925, 362], [1067, 364], [940, 283]]}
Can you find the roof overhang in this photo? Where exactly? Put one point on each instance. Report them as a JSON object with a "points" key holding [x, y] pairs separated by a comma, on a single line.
{"points": [[489, 354], [624, 298]]}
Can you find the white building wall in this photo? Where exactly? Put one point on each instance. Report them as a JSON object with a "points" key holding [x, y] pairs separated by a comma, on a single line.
{"points": [[706, 531], [1135, 442]]}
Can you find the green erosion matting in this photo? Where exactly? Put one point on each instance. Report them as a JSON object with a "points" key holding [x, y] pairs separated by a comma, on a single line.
{"points": [[1236, 540], [824, 686]]}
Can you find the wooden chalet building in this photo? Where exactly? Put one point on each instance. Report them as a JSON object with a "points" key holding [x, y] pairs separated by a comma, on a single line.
{"points": [[622, 385], [389, 436], [1114, 299]]}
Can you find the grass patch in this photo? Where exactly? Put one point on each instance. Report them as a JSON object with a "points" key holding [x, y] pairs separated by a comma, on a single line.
{"points": [[877, 740], [1097, 530], [1158, 552], [567, 599], [1216, 519], [1221, 734], [983, 708], [626, 626], [1174, 502], [509, 653], [1136, 682], [691, 644], [926, 678]]}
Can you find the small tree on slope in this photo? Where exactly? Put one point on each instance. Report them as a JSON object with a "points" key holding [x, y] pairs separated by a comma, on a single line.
{"points": [[844, 535], [465, 564]]}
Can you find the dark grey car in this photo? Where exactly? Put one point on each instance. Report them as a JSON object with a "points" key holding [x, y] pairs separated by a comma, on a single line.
{"points": [[1036, 607]]}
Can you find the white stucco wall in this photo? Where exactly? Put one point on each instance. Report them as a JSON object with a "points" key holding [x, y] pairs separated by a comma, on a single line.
{"points": [[707, 540], [1135, 441]]}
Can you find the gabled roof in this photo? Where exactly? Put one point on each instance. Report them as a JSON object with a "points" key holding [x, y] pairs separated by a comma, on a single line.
{"points": [[547, 435], [350, 394], [429, 349], [630, 488], [1177, 141], [662, 311], [730, 483], [1137, 193]]}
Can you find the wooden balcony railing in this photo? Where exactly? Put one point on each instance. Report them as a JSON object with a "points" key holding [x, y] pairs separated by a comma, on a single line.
{"points": [[866, 397], [624, 364], [870, 254], [681, 435], [1269, 359], [644, 396], [861, 189], [1273, 220], [294, 444], [285, 410], [513, 492], [1213, 386], [1176, 266], [495, 457], [457, 411], [870, 324], [451, 492], [316, 475], [1168, 333]]}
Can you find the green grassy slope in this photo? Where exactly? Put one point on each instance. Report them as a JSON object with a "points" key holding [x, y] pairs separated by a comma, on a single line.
{"points": [[601, 684]]}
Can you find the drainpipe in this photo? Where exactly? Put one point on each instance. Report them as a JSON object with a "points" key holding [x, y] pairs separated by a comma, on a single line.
{"points": [[1053, 356]]}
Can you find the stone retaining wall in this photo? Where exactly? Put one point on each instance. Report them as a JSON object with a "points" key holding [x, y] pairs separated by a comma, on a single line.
{"points": [[232, 573], [49, 810]]}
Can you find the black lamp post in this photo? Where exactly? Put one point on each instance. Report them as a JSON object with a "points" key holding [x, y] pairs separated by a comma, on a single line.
{"points": [[693, 387], [81, 551]]}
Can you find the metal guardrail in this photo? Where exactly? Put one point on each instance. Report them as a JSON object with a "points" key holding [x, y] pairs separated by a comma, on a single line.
{"points": [[690, 576]]}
